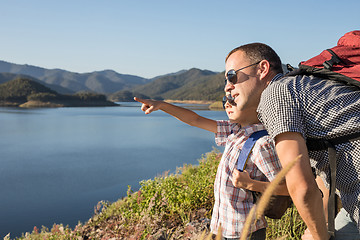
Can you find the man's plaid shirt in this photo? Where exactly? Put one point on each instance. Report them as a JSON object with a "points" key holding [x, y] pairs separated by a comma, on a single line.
{"points": [[232, 205]]}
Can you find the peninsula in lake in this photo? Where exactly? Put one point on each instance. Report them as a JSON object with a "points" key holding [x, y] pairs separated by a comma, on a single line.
{"points": [[25, 92]]}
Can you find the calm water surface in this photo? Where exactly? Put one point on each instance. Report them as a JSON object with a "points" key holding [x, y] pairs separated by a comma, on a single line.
{"points": [[57, 164]]}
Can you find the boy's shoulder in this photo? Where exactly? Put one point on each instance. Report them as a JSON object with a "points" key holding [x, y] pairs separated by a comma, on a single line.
{"points": [[263, 142], [253, 128], [257, 133]]}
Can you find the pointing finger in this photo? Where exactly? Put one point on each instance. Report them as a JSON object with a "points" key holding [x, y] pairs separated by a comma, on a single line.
{"points": [[139, 100]]}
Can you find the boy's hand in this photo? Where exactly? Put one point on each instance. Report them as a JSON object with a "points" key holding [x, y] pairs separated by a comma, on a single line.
{"points": [[148, 105], [241, 179]]}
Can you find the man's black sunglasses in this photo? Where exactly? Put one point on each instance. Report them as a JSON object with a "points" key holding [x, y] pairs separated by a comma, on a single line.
{"points": [[231, 74], [228, 98]]}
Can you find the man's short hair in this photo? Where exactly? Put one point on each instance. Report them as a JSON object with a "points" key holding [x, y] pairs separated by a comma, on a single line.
{"points": [[259, 51]]}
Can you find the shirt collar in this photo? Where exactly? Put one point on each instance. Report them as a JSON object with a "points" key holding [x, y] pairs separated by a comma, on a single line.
{"points": [[277, 77], [253, 128], [235, 129], [248, 130]]}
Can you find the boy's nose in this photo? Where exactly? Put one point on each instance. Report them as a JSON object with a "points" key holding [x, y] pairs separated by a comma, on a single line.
{"points": [[228, 87]]}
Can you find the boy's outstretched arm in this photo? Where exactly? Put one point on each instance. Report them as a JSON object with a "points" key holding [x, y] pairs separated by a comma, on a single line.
{"points": [[185, 115]]}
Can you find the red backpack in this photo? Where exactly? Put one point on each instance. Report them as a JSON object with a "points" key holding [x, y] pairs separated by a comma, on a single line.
{"points": [[340, 63]]}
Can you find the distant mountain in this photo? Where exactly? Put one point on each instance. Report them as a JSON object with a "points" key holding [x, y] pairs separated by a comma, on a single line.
{"points": [[106, 81], [194, 84], [170, 74]]}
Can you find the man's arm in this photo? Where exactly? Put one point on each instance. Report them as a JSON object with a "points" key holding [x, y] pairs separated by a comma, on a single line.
{"points": [[243, 180], [301, 183], [185, 115]]}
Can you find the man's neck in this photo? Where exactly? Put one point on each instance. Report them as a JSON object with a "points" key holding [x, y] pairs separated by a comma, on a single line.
{"points": [[272, 76]]}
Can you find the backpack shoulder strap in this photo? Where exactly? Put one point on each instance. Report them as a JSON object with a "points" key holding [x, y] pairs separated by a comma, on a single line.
{"points": [[248, 146], [322, 144], [323, 73]]}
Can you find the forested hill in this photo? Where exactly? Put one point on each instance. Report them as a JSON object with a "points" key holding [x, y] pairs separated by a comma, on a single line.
{"points": [[26, 92]]}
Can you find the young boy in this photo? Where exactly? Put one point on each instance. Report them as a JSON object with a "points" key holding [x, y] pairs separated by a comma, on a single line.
{"points": [[233, 201]]}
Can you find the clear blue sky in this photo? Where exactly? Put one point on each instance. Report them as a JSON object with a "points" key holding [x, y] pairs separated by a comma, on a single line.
{"points": [[148, 38]]}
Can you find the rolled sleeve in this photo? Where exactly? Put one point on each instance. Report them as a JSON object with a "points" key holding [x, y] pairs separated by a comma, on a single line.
{"points": [[224, 129]]}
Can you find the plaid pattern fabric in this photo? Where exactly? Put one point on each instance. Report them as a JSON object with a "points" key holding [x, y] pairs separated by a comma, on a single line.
{"points": [[321, 109], [232, 205]]}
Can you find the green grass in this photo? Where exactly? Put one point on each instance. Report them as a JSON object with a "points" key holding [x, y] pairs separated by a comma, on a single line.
{"points": [[163, 205]]}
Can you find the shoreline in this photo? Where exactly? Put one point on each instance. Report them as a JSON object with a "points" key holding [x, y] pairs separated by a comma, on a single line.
{"points": [[190, 101], [57, 104], [194, 104]]}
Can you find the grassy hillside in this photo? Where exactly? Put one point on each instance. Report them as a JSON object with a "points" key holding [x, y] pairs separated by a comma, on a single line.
{"points": [[175, 206]]}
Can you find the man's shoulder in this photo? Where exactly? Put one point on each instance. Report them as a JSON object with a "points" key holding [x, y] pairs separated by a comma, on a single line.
{"points": [[295, 83], [288, 79], [302, 79]]}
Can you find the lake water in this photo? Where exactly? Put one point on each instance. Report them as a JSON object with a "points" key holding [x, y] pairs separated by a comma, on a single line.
{"points": [[57, 164]]}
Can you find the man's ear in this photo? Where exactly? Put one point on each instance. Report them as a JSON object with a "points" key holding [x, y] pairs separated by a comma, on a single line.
{"points": [[264, 69]]}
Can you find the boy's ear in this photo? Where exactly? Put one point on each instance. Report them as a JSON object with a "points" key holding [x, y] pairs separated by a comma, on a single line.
{"points": [[264, 69]]}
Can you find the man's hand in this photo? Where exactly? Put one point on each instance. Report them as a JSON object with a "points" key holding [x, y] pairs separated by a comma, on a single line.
{"points": [[148, 105]]}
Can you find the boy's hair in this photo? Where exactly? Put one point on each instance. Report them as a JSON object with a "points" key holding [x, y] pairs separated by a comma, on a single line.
{"points": [[259, 51]]}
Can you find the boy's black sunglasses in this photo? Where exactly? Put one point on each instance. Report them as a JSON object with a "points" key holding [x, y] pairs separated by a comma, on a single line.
{"points": [[231, 74], [228, 98]]}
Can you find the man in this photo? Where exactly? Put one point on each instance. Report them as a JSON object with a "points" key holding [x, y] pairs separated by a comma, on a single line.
{"points": [[292, 110]]}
